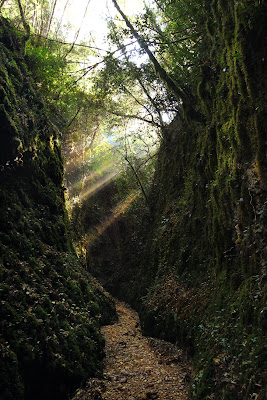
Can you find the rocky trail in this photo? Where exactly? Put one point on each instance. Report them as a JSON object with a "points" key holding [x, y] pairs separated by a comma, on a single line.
{"points": [[138, 367]]}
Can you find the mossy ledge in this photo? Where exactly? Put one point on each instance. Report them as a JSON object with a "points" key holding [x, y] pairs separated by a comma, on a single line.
{"points": [[51, 309]]}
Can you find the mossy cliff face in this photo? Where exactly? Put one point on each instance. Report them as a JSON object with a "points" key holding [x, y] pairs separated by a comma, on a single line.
{"points": [[203, 281], [51, 310], [197, 272]]}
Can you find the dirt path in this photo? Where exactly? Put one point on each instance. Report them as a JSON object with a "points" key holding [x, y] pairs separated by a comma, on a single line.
{"points": [[137, 367]]}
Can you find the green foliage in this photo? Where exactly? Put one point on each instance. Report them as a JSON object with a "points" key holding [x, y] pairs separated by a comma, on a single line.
{"points": [[48, 66], [55, 80]]}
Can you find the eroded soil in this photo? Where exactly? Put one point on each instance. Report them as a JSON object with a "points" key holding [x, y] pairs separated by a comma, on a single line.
{"points": [[137, 367]]}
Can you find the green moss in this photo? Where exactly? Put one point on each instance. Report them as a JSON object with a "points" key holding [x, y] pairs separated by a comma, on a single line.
{"points": [[50, 337]]}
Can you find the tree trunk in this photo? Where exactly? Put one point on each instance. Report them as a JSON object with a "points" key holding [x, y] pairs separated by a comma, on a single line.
{"points": [[138, 180], [145, 90], [25, 24], [51, 18], [179, 93], [2, 3]]}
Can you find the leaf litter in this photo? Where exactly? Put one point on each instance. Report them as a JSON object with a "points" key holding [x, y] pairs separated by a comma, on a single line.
{"points": [[138, 367]]}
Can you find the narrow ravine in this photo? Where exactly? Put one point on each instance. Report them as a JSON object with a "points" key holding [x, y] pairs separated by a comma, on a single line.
{"points": [[138, 367]]}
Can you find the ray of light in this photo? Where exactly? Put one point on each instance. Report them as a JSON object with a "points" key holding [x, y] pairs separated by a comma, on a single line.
{"points": [[99, 184], [79, 158], [73, 164], [116, 213], [102, 169]]}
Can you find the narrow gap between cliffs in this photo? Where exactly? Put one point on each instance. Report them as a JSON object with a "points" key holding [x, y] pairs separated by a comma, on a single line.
{"points": [[138, 367]]}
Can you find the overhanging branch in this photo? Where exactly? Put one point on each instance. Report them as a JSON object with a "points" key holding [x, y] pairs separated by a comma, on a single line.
{"points": [[132, 116]]}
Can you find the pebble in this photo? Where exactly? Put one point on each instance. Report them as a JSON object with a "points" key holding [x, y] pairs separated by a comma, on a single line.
{"points": [[125, 373], [122, 379]]}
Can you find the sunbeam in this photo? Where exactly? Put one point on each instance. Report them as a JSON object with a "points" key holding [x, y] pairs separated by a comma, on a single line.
{"points": [[98, 185], [90, 177], [116, 213]]}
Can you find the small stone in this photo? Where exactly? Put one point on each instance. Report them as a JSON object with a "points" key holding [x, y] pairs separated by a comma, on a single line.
{"points": [[108, 376], [114, 378], [122, 379], [125, 373]]}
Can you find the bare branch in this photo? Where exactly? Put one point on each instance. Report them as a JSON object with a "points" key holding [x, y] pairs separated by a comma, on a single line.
{"points": [[81, 45], [72, 120], [132, 116], [77, 33]]}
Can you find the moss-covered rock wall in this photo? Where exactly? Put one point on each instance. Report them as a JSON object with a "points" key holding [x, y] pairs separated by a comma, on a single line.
{"points": [[196, 270], [207, 251], [51, 310]]}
